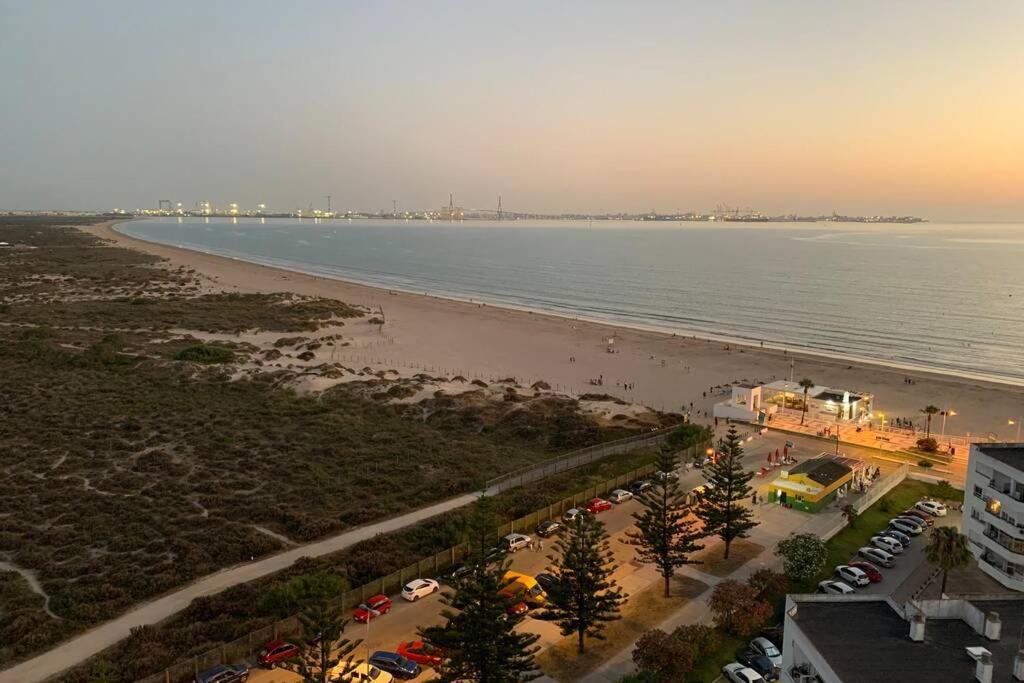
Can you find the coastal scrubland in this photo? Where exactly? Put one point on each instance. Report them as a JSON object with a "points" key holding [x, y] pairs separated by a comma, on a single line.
{"points": [[139, 454]]}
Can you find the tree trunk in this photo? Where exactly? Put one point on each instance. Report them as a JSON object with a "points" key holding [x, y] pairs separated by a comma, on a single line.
{"points": [[727, 543], [668, 588], [579, 648], [942, 591]]}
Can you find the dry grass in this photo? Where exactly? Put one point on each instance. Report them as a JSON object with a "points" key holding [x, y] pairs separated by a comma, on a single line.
{"points": [[642, 612], [741, 552]]}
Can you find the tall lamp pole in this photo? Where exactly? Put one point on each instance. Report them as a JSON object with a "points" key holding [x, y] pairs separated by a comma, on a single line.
{"points": [[945, 414]]}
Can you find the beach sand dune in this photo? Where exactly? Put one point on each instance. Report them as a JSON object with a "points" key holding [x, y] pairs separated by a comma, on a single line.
{"points": [[657, 369]]}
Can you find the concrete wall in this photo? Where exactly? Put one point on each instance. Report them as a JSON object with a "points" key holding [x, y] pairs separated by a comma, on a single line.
{"points": [[882, 487]]}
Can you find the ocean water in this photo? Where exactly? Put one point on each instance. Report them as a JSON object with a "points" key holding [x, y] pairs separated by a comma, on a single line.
{"points": [[946, 297]]}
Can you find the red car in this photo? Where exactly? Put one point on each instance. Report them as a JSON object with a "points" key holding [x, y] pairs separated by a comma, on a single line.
{"points": [[276, 651], [597, 505], [422, 653], [374, 607], [871, 570]]}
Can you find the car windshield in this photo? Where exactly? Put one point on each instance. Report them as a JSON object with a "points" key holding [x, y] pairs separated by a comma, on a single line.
{"points": [[770, 650]]}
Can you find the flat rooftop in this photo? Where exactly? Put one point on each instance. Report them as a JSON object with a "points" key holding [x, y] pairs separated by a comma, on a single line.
{"points": [[825, 470], [818, 392], [1011, 454], [867, 641]]}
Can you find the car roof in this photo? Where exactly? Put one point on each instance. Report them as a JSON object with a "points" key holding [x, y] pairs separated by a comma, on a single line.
{"points": [[275, 643], [383, 654]]}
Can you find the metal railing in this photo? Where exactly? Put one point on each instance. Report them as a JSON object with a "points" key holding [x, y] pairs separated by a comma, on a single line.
{"points": [[569, 461]]}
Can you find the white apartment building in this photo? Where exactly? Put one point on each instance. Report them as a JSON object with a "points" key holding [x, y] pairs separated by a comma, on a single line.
{"points": [[993, 516]]}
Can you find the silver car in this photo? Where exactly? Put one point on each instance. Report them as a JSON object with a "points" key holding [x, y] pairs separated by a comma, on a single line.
{"points": [[906, 525], [877, 556]]}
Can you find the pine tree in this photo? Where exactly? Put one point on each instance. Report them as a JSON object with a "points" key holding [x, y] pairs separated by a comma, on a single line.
{"points": [[478, 640], [584, 597], [721, 506], [322, 648], [665, 534]]}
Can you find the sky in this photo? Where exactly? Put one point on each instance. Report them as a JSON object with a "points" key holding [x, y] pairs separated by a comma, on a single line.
{"points": [[862, 107]]}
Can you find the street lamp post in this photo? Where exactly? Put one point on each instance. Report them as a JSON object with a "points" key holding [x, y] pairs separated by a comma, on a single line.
{"points": [[945, 414]]}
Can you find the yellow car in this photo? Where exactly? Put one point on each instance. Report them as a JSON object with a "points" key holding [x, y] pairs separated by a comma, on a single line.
{"points": [[363, 672]]}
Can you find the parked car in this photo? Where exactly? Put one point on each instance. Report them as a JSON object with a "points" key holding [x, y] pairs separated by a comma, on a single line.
{"points": [[638, 487], [878, 556], [275, 652], [763, 646], [395, 664], [546, 581], [514, 542], [224, 673], [851, 575], [418, 588], [620, 496], [363, 673], [571, 514], [374, 607], [906, 525], [516, 610], [921, 518], [597, 505], [422, 653], [870, 570], [933, 508], [890, 545], [549, 527], [898, 535], [834, 588], [662, 476], [759, 663], [454, 573], [737, 673]]}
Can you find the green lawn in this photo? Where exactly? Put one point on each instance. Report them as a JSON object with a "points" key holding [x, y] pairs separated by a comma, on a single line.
{"points": [[845, 544], [709, 667]]}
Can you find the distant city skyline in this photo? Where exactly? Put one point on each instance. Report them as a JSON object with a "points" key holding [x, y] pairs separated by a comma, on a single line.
{"points": [[863, 108]]}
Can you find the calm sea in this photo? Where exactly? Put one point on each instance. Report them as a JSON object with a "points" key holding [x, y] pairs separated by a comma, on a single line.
{"points": [[948, 297]]}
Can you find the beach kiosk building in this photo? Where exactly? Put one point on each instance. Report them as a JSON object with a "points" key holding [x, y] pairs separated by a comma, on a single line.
{"points": [[814, 483]]}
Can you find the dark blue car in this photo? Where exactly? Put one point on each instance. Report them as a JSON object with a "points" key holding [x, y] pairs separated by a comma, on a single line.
{"points": [[759, 663], [225, 673], [395, 664]]}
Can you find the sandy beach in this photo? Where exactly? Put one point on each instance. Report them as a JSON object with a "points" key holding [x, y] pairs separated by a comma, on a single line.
{"points": [[660, 370]]}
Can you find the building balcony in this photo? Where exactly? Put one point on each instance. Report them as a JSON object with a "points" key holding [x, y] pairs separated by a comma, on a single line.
{"points": [[1011, 490], [1004, 540]]}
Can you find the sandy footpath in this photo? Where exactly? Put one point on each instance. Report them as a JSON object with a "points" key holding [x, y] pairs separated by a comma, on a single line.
{"points": [[665, 371]]}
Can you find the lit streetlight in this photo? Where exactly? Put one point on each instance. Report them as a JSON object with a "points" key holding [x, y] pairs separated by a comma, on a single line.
{"points": [[945, 414]]}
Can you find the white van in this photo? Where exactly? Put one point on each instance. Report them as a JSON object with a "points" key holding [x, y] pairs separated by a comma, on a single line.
{"points": [[514, 542]]}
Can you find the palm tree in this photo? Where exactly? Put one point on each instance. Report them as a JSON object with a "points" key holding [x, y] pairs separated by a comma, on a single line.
{"points": [[947, 548], [929, 410], [806, 384]]}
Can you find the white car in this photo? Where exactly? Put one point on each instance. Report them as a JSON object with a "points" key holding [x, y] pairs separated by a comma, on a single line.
{"points": [[852, 576], [514, 542], [571, 514], [906, 525], [414, 590], [763, 646], [887, 544], [877, 555], [931, 507], [620, 496], [363, 673], [737, 673], [834, 588]]}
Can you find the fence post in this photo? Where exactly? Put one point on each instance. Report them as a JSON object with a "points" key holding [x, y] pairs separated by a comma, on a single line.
{"points": [[167, 676], [223, 653]]}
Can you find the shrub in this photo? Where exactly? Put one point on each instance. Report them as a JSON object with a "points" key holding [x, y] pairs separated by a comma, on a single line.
{"points": [[737, 609], [924, 463], [928, 444], [205, 353], [803, 556]]}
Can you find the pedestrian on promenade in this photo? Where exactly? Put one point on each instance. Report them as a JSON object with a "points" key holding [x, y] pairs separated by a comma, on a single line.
{"points": [[540, 544]]}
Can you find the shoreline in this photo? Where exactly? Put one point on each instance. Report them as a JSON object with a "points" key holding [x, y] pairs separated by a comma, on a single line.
{"points": [[746, 342], [440, 330]]}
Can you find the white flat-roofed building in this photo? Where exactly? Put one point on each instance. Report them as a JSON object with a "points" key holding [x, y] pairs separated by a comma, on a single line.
{"points": [[823, 403], [993, 518]]}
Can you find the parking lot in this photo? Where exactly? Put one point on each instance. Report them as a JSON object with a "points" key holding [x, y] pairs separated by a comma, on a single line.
{"points": [[387, 631]]}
